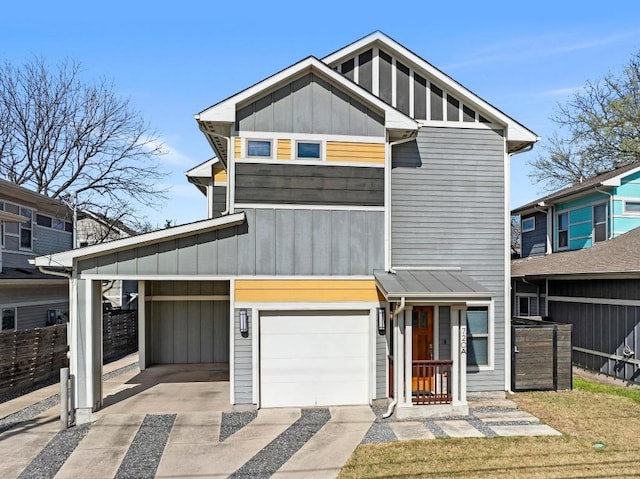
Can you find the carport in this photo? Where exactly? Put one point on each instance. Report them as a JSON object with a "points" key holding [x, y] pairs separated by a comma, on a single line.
{"points": [[184, 298]]}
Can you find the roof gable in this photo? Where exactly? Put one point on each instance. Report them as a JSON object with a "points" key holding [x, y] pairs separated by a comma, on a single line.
{"points": [[379, 53], [611, 178], [217, 121]]}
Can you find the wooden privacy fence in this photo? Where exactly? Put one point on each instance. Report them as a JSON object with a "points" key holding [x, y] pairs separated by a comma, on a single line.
{"points": [[30, 356], [119, 334], [540, 356]]}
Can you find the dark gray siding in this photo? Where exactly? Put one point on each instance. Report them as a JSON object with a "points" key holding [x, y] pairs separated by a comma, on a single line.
{"points": [[23, 294], [47, 240], [36, 316], [188, 331], [606, 328], [271, 242], [243, 361], [534, 243], [310, 105], [309, 185], [444, 333], [448, 210], [219, 200]]}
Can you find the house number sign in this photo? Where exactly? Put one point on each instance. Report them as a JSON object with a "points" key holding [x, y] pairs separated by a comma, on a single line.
{"points": [[463, 340]]}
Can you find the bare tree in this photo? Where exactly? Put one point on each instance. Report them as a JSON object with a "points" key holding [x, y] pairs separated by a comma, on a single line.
{"points": [[61, 136], [599, 130], [516, 237]]}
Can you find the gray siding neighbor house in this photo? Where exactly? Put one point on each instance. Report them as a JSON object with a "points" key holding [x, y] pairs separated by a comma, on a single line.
{"points": [[32, 225], [355, 248]]}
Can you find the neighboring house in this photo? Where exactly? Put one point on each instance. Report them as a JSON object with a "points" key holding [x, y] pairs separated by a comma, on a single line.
{"points": [[597, 290], [94, 228], [32, 225], [576, 217], [580, 265], [362, 253]]}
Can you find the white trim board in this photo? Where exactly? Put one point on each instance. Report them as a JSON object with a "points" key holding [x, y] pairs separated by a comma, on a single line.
{"points": [[608, 301]]}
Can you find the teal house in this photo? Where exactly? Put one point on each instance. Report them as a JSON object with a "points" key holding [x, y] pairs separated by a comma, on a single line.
{"points": [[577, 217]]}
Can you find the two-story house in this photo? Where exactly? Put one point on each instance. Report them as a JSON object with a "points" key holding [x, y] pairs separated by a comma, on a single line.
{"points": [[580, 265], [32, 225], [361, 253]]}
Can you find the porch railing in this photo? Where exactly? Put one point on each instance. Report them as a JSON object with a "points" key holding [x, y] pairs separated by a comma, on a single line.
{"points": [[431, 381]]}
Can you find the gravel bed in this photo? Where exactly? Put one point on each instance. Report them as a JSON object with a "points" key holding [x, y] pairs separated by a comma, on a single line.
{"points": [[118, 372], [277, 452], [145, 451], [232, 422], [28, 413], [379, 432], [47, 464], [481, 426], [435, 429], [493, 409]]}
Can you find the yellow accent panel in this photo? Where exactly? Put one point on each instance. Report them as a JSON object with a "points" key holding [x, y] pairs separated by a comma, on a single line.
{"points": [[356, 152], [238, 148], [284, 149], [219, 175], [306, 290]]}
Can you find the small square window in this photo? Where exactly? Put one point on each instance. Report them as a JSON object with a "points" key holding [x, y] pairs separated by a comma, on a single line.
{"points": [[632, 207], [528, 224], [259, 148], [308, 150]]}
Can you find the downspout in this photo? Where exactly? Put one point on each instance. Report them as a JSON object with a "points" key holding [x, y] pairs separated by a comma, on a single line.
{"points": [[396, 379], [53, 273], [610, 210]]}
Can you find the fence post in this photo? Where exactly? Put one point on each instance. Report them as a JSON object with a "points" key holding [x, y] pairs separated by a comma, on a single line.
{"points": [[64, 398]]}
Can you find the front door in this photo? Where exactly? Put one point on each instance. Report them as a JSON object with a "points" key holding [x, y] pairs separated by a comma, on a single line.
{"points": [[422, 331]]}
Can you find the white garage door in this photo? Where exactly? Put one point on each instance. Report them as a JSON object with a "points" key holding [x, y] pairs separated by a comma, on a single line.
{"points": [[314, 359]]}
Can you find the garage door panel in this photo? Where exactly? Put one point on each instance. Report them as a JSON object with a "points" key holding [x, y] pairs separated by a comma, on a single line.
{"points": [[317, 359], [348, 345]]}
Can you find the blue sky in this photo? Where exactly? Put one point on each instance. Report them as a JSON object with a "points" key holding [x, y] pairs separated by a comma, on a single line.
{"points": [[174, 59]]}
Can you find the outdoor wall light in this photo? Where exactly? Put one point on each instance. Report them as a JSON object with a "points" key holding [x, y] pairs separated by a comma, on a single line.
{"points": [[244, 322], [382, 320]]}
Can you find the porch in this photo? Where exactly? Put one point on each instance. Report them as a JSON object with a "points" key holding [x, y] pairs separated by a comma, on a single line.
{"points": [[427, 339]]}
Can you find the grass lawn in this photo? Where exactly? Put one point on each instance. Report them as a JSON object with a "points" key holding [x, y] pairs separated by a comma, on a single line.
{"points": [[591, 413]]}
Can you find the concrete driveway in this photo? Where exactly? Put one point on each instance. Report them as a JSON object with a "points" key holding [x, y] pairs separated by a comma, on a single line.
{"points": [[176, 421]]}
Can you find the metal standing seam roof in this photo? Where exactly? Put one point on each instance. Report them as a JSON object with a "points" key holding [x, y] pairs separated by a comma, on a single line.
{"points": [[428, 284]]}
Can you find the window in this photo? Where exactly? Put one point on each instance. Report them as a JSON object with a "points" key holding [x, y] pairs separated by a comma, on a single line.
{"points": [[632, 207], [563, 230], [42, 220], [478, 347], [308, 150], [259, 148], [26, 238], [599, 222], [8, 319], [528, 224], [523, 305]]}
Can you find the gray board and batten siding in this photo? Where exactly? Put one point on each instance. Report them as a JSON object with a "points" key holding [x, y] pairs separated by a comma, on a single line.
{"points": [[534, 243], [187, 331], [310, 105], [271, 242], [602, 322], [219, 200], [309, 184], [448, 210]]}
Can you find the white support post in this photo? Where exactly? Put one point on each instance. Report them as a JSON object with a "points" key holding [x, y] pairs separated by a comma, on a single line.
{"points": [[142, 308], [408, 356], [398, 362], [455, 356], [463, 358]]}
